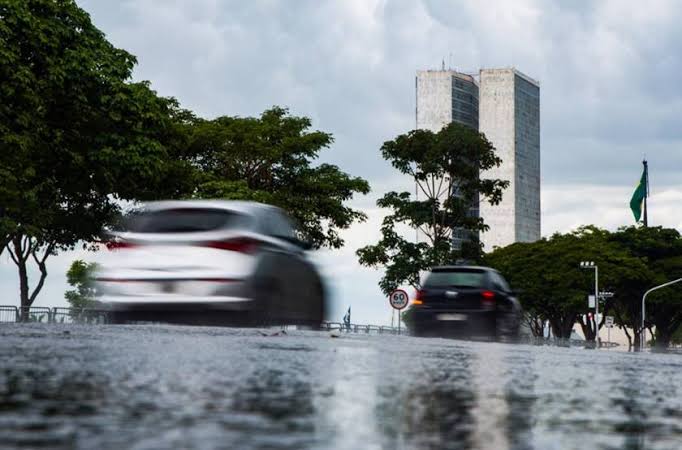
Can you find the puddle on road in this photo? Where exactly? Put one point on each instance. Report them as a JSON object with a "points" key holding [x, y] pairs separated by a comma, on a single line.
{"points": [[181, 387]]}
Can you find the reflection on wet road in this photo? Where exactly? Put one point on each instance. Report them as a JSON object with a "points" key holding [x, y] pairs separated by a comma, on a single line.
{"points": [[148, 387]]}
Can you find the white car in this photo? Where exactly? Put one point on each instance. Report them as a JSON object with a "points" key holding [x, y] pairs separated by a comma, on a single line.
{"points": [[210, 262]]}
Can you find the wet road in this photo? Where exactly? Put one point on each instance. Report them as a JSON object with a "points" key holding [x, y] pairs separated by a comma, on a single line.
{"points": [[149, 387]]}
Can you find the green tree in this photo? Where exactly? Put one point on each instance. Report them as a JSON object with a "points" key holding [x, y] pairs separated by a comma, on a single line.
{"points": [[270, 159], [661, 249], [552, 285], [677, 336], [446, 168], [79, 276], [76, 135]]}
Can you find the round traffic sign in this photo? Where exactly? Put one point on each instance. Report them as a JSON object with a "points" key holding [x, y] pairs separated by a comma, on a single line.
{"points": [[398, 299]]}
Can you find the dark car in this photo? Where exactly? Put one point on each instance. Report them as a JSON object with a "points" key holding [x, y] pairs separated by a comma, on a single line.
{"points": [[466, 301]]}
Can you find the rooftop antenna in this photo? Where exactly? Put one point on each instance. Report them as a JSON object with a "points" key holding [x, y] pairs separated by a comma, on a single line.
{"points": [[450, 60]]}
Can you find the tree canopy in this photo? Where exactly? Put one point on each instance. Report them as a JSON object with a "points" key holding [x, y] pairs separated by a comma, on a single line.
{"points": [[552, 284], [78, 138], [661, 249], [631, 260], [79, 276], [270, 159], [446, 168], [76, 134]]}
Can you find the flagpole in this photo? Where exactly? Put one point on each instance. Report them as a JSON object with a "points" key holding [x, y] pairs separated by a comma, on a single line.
{"points": [[646, 193]]}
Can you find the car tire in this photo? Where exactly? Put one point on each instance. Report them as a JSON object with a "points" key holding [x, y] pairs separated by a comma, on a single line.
{"points": [[118, 318], [267, 304], [506, 328], [315, 312]]}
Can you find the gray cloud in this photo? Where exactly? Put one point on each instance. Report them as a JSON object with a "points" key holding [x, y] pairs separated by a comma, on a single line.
{"points": [[607, 69], [608, 73]]}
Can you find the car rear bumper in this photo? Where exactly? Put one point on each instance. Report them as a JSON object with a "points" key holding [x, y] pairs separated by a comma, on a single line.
{"points": [[175, 303], [451, 321]]}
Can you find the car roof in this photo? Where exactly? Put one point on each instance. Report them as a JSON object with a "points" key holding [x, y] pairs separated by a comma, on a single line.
{"points": [[452, 267], [241, 206]]}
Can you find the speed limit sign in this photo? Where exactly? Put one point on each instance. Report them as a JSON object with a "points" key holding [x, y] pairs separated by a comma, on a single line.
{"points": [[398, 299]]}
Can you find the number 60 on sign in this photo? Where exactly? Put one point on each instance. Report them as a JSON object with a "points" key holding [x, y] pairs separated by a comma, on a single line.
{"points": [[398, 299]]}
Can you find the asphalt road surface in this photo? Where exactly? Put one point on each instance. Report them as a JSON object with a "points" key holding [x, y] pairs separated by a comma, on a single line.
{"points": [[149, 387]]}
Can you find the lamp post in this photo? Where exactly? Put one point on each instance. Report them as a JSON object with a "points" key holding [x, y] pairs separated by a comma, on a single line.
{"points": [[592, 265], [642, 338]]}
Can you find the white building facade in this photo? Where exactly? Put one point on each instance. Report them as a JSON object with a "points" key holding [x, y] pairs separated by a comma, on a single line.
{"points": [[445, 96], [509, 116], [503, 104]]}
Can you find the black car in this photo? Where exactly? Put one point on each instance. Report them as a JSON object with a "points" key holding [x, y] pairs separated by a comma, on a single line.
{"points": [[466, 301]]}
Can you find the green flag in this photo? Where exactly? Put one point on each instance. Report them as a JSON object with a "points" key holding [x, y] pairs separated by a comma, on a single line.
{"points": [[638, 197]]}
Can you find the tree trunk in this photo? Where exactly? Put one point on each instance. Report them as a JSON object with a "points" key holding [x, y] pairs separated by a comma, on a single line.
{"points": [[536, 325], [663, 337], [20, 250], [562, 326], [23, 283], [588, 328], [627, 335]]}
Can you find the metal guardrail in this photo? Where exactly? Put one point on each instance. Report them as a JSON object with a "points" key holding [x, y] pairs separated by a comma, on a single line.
{"points": [[359, 328], [41, 314], [79, 315], [35, 314], [13, 314], [9, 314]]}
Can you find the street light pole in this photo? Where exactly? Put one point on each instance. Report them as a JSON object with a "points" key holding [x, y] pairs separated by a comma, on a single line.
{"points": [[596, 306], [592, 265], [642, 337]]}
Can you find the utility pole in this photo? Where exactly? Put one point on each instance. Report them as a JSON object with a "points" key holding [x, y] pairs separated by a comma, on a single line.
{"points": [[642, 338], [592, 265], [646, 193], [596, 306]]}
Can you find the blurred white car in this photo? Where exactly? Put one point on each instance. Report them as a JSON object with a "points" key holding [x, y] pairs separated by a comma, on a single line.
{"points": [[210, 262]]}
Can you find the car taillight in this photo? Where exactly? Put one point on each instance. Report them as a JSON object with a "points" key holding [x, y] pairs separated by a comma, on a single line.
{"points": [[488, 298], [119, 245], [241, 245], [419, 298]]}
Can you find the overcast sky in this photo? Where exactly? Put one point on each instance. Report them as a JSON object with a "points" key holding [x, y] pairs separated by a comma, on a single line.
{"points": [[608, 71]]}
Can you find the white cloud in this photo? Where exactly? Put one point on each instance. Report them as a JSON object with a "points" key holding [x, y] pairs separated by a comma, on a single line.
{"points": [[608, 73]]}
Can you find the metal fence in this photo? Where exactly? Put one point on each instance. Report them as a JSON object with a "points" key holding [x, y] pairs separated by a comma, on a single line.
{"points": [[79, 315], [41, 314], [35, 314], [9, 314], [358, 328]]}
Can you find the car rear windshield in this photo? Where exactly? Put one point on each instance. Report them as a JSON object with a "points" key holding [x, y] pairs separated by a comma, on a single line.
{"points": [[184, 220], [456, 278]]}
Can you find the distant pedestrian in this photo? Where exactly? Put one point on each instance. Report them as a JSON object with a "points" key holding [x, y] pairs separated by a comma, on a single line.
{"points": [[346, 320]]}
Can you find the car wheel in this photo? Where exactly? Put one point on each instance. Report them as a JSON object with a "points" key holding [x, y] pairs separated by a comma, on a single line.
{"points": [[315, 310], [268, 303], [117, 318], [504, 328]]}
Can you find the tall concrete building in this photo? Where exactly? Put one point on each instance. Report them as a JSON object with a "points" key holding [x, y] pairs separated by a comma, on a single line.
{"points": [[504, 104], [445, 96], [509, 116]]}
